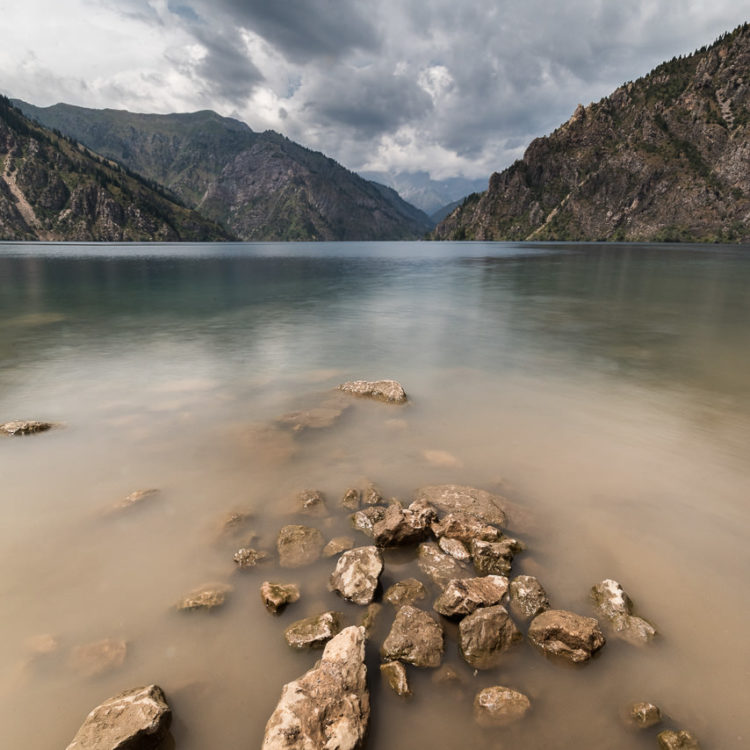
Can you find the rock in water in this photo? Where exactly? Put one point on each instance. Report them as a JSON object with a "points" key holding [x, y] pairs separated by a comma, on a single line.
{"points": [[337, 545], [135, 498], [464, 595], [527, 597], [494, 558], [465, 528], [24, 427], [453, 498], [497, 706], [615, 606], [136, 719], [276, 596], [93, 659], [682, 740], [414, 638], [299, 546], [643, 715], [247, 557], [329, 706], [357, 574], [566, 634], [405, 592], [310, 503], [441, 568], [389, 391], [483, 637], [206, 597], [403, 526], [313, 632], [395, 674]]}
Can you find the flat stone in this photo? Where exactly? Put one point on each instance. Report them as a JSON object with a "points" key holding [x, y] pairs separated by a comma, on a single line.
{"points": [[394, 673], [499, 706], [643, 715], [415, 638], [136, 719], [441, 568], [464, 595], [527, 597], [276, 596], [389, 391], [329, 706], [210, 596], [573, 637], [246, 557], [450, 498], [20, 427], [96, 658], [494, 558], [310, 503], [405, 592], [682, 740], [364, 520], [315, 631], [464, 527], [299, 546], [455, 548], [485, 635], [614, 606], [337, 545], [135, 498], [233, 524], [357, 574]]}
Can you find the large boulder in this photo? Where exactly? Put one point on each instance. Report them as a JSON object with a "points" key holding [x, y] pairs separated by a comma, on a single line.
{"points": [[573, 637], [451, 498], [614, 606], [389, 391], [415, 638], [136, 719], [357, 574], [313, 632], [329, 706], [464, 595], [299, 546], [527, 597], [441, 568], [485, 635], [498, 706]]}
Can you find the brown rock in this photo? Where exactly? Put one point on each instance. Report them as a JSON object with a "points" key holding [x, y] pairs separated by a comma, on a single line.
{"points": [[441, 568], [414, 638], [643, 715], [315, 631], [498, 706], [464, 595], [276, 596], [527, 597], [395, 675], [464, 527], [405, 592], [364, 520], [207, 597], [494, 558], [136, 719], [455, 548], [299, 546], [247, 557], [561, 633], [96, 658], [451, 498], [337, 545], [370, 618], [135, 498], [352, 499], [682, 740], [614, 606], [485, 635], [402, 526], [25, 427], [357, 574], [389, 391], [310, 503], [317, 418]]}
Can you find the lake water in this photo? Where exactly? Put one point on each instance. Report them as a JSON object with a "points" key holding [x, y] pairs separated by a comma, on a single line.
{"points": [[604, 389]]}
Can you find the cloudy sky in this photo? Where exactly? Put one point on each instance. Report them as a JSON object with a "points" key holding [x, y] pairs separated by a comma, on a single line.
{"points": [[454, 87]]}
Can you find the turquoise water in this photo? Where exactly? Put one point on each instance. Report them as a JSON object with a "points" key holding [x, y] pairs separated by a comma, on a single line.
{"points": [[604, 388]]}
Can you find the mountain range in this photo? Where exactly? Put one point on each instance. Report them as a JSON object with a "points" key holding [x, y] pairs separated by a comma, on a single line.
{"points": [[666, 157]]}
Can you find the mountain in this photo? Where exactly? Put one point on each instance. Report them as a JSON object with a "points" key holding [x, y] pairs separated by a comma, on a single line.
{"points": [[425, 193], [666, 157], [52, 188], [260, 186]]}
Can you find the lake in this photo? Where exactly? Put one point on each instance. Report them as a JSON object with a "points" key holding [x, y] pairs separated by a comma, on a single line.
{"points": [[605, 389]]}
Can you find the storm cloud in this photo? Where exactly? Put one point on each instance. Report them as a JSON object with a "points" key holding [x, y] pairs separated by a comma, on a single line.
{"points": [[448, 88]]}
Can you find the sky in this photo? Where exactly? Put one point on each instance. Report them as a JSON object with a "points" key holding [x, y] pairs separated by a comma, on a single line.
{"points": [[451, 87]]}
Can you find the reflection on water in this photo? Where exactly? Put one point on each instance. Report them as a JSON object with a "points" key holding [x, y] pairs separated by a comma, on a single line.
{"points": [[603, 388]]}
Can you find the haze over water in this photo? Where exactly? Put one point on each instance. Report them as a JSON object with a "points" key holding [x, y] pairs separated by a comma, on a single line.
{"points": [[604, 388]]}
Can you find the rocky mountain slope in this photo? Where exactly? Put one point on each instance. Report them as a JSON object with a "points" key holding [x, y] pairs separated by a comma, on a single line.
{"points": [[260, 186], [52, 188], [666, 157]]}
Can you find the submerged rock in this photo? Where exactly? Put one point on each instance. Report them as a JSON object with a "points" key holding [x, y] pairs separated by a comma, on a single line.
{"points": [[405, 592], [643, 715], [573, 637], [315, 631], [615, 606], [682, 740], [357, 574], [317, 418], [485, 635], [135, 498], [389, 391], [351, 499], [447, 676], [464, 527], [95, 658], [498, 706], [441, 568], [20, 427], [364, 520], [310, 503], [527, 597], [370, 617], [337, 545], [207, 597], [276, 596], [451, 498], [464, 595], [395, 675], [299, 546], [136, 719], [415, 638], [494, 558], [233, 525], [329, 706], [246, 557], [371, 494]]}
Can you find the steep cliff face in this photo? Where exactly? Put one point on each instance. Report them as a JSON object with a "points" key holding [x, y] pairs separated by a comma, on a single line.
{"points": [[261, 186], [666, 157], [54, 189]]}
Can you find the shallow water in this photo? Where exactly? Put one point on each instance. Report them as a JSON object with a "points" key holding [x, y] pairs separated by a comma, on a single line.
{"points": [[605, 389]]}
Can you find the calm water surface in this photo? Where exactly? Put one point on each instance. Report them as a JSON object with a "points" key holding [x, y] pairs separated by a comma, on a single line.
{"points": [[605, 389]]}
